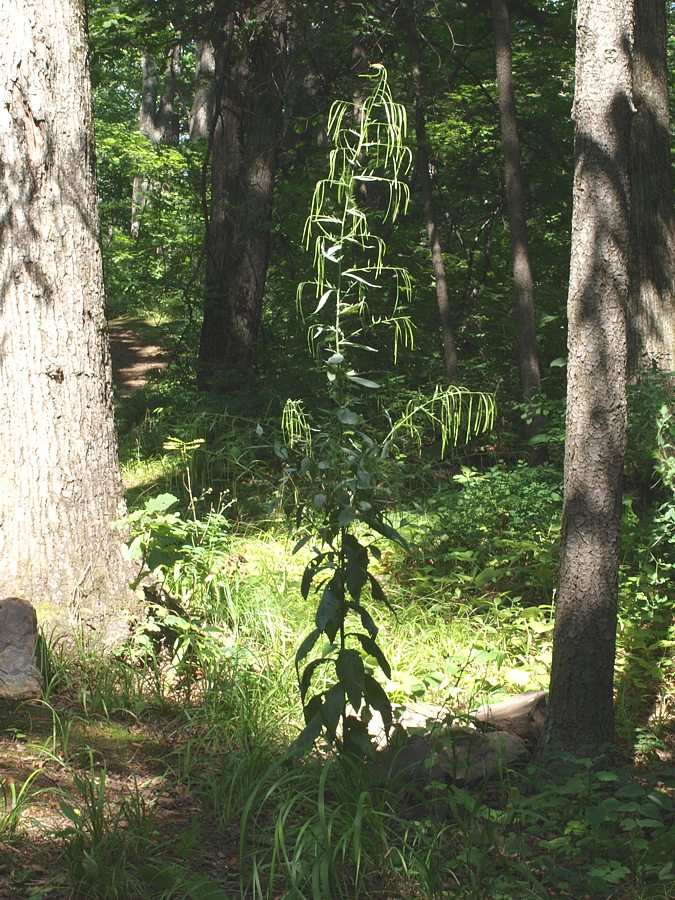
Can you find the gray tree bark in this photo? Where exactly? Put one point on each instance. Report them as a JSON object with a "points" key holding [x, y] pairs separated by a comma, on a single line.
{"points": [[581, 694], [61, 486], [523, 287], [651, 319]]}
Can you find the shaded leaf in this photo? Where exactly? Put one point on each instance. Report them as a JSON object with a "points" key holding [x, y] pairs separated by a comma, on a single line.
{"points": [[376, 697], [306, 646], [350, 673], [374, 650]]}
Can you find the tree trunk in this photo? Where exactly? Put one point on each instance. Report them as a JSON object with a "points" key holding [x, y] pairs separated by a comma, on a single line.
{"points": [[651, 318], [61, 486], [245, 144], [157, 121], [201, 113], [581, 694], [528, 356], [424, 168]]}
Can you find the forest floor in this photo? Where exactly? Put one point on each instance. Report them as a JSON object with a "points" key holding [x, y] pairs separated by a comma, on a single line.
{"points": [[137, 352], [137, 757], [124, 782]]}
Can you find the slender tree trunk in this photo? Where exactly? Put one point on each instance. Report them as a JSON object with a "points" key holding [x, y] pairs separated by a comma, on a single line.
{"points": [[61, 486], [528, 356], [201, 113], [246, 142], [424, 168], [651, 319], [581, 696], [157, 121]]}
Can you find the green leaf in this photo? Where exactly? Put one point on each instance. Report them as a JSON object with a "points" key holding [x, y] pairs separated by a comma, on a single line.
{"points": [[376, 590], [366, 618], [386, 530], [373, 649], [160, 503], [350, 673], [328, 614], [307, 673], [356, 570], [346, 516], [376, 697], [333, 707], [307, 644], [363, 382], [305, 740], [348, 416]]}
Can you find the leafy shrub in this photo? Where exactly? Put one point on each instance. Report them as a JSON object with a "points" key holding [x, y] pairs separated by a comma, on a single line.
{"points": [[498, 530]]}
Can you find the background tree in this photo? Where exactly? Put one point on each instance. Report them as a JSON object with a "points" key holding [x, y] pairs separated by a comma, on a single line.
{"points": [[156, 120], [61, 484], [245, 147], [651, 320], [581, 714], [523, 286], [426, 178]]}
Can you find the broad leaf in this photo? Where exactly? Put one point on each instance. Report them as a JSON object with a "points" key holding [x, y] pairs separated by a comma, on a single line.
{"points": [[356, 572], [307, 673], [328, 614], [366, 618], [376, 697], [374, 650], [160, 503], [333, 708], [350, 672], [348, 416], [363, 382], [306, 646]]}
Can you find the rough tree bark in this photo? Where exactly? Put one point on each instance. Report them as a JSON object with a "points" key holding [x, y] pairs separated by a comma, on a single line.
{"points": [[245, 147], [433, 234], [651, 319], [61, 486], [581, 694], [523, 287]]}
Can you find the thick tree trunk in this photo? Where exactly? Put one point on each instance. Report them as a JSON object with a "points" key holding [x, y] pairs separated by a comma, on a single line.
{"points": [[581, 695], [424, 168], [528, 356], [61, 487], [245, 146], [651, 319]]}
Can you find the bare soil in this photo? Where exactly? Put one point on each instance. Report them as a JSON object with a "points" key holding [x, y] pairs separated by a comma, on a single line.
{"points": [[137, 352]]}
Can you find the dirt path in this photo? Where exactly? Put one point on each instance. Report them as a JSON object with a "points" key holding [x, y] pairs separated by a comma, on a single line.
{"points": [[135, 347]]}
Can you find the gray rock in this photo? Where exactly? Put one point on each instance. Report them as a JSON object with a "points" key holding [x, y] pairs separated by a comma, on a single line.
{"points": [[471, 756], [523, 715], [19, 677]]}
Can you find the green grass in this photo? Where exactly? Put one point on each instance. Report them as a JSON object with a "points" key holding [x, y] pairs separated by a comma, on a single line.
{"points": [[212, 727], [162, 770]]}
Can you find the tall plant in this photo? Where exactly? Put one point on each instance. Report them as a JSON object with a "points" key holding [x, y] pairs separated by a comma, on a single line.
{"points": [[354, 292]]}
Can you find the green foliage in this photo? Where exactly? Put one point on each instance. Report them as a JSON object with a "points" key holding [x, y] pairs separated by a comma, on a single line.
{"points": [[14, 802], [498, 530], [341, 461], [184, 555], [111, 849], [557, 830]]}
